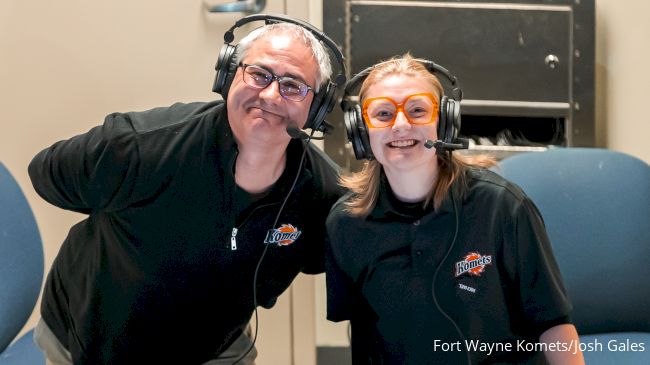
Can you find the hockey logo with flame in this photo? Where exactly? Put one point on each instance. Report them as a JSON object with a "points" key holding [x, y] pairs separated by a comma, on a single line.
{"points": [[285, 235], [473, 264]]}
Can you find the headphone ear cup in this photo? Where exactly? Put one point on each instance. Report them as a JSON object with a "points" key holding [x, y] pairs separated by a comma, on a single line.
{"points": [[442, 119], [318, 109], [357, 135], [453, 117], [226, 68], [364, 137]]}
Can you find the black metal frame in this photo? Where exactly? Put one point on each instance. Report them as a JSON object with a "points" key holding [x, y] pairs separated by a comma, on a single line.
{"points": [[572, 103]]}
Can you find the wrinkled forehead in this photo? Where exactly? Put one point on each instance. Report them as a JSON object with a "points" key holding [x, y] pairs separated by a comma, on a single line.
{"points": [[285, 37], [286, 40], [284, 58]]}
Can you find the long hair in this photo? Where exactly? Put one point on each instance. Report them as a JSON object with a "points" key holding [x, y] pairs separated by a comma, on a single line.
{"points": [[452, 167]]}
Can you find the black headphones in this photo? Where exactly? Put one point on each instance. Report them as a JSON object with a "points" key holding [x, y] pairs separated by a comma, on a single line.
{"points": [[448, 121], [324, 99]]}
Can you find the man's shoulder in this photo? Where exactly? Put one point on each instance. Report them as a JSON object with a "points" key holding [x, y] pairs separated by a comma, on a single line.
{"points": [[318, 157], [177, 114], [324, 170], [165, 138]]}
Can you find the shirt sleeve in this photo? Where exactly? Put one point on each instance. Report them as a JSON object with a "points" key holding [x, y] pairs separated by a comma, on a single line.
{"points": [[542, 293], [340, 289], [325, 193], [91, 171], [315, 263]]}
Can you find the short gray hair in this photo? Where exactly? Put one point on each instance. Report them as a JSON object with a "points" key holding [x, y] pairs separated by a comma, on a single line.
{"points": [[303, 35]]}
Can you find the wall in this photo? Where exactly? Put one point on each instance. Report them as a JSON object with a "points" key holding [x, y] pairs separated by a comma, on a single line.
{"points": [[64, 65], [623, 76], [57, 80]]}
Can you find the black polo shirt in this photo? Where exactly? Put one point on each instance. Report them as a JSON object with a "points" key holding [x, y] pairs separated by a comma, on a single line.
{"points": [[496, 283], [162, 269]]}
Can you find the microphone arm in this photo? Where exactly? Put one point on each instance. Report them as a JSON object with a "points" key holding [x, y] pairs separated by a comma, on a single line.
{"points": [[296, 133], [462, 144]]}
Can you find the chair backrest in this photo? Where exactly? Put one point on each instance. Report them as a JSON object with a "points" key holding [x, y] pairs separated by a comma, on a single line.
{"points": [[21, 259], [596, 207]]}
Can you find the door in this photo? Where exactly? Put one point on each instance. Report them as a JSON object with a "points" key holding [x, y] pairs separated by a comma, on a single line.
{"points": [[66, 64], [513, 59]]}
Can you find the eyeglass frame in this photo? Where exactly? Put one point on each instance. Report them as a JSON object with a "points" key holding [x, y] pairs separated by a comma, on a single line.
{"points": [[400, 107], [277, 78]]}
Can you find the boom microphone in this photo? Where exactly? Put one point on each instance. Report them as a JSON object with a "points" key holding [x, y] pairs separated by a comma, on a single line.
{"points": [[462, 144], [296, 133]]}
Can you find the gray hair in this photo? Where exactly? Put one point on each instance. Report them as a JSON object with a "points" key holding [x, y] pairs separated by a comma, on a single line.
{"points": [[301, 34]]}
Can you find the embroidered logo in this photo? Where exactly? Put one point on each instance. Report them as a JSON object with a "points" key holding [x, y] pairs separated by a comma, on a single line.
{"points": [[283, 236], [467, 288], [473, 264]]}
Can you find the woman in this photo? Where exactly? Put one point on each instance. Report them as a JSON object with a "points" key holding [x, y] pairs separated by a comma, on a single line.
{"points": [[434, 258]]}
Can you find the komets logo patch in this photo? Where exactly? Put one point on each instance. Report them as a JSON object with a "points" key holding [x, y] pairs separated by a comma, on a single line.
{"points": [[285, 235], [473, 264]]}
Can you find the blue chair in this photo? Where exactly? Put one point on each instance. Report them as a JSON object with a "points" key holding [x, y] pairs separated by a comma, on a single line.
{"points": [[21, 273], [596, 207]]}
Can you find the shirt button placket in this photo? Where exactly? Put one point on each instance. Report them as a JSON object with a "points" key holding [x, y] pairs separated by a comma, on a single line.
{"points": [[418, 261]]}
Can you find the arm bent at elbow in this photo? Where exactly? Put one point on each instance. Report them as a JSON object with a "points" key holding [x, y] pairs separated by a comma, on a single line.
{"points": [[89, 171]]}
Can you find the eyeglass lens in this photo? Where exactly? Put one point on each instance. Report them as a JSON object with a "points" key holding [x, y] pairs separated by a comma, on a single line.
{"points": [[418, 109], [260, 78]]}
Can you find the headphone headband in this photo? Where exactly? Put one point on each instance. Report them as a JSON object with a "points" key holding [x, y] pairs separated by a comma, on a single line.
{"points": [[229, 36], [431, 66]]}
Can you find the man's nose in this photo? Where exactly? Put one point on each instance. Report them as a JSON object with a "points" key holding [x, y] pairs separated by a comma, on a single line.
{"points": [[271, 91]]}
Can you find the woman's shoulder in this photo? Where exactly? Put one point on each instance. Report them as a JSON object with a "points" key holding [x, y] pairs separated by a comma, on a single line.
{"points": [[339, 210], [488, 184]]}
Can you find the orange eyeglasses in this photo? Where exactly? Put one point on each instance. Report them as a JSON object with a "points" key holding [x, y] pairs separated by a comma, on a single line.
{"points": [[381, 112]]}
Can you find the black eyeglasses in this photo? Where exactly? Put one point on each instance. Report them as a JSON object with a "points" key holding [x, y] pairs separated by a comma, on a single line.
{"points": [[260, 78]]}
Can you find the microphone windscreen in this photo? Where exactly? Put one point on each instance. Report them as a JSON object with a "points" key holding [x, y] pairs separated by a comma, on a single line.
{"points": [[294, 132]]}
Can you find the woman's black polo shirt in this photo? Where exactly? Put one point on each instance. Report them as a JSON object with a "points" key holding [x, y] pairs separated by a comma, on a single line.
{"points": [[499, 284]]}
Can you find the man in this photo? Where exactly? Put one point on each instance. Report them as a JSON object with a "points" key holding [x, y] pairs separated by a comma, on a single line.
{"points": [[188, 206]]}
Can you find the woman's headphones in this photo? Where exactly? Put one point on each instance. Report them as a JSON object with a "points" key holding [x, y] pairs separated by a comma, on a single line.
{"points": [[324, 99], [448, 121]]}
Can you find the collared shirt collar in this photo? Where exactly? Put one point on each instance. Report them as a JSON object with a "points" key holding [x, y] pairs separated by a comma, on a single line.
{"points": [[388, 206]]}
